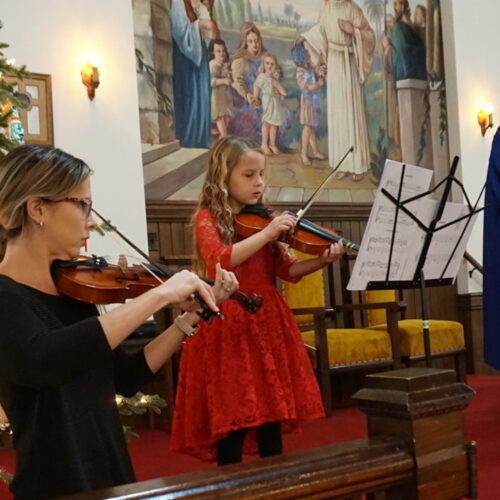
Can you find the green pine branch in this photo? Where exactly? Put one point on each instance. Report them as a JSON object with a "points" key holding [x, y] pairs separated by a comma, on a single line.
{"points": [[6, 476], [139, 403], [9, 97]]}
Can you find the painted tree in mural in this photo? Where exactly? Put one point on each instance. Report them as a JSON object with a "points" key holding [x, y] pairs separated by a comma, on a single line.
{"points": [[376, 11], [11, 131]]}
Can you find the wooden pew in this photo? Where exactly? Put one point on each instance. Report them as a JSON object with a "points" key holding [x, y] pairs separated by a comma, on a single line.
{"points": [[416, 450]]}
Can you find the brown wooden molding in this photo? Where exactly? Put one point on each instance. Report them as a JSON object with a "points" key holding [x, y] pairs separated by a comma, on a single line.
{"points": [[165, 210]]}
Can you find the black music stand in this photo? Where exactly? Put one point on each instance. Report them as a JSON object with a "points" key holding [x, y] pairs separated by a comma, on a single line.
{"points": [[419, 280]]}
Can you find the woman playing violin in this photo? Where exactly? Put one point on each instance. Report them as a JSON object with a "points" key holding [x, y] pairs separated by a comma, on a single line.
{"points": [[60, 363]]}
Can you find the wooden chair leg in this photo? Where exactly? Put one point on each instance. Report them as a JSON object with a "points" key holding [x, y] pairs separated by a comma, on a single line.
{"points": [[322, 362]]}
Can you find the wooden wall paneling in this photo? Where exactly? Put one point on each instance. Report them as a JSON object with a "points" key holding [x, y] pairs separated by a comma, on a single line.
{"points": [[471, 315], [165, 239], [178, 243], [188, 238]]}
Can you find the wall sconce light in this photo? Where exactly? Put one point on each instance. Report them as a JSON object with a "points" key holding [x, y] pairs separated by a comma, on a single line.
{"points": [[485, 118], [90, 78]]}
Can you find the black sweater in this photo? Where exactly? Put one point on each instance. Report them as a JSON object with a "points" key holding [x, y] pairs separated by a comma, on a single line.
{"points": [[58, 379]]}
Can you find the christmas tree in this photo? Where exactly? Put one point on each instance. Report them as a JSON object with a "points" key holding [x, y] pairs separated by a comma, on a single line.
{"points": [[10, 100]]}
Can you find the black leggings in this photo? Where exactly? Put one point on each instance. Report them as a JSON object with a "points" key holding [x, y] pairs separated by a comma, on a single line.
{"points": [[229, 449]]}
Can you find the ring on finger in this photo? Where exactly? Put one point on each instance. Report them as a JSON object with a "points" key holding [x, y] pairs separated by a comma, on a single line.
{"points": [[226, 288]]}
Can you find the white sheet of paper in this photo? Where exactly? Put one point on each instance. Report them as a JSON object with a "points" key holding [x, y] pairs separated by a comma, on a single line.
{"points": [[449, 242], [373, 257]]}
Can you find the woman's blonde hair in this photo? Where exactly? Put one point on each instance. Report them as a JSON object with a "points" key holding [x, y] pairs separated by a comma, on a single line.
{"points": [[31, 171], [224, 155]]}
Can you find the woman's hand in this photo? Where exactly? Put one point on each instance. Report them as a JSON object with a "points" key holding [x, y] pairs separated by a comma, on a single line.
{"points": [[279, 224], [252, 100], [179, 288], [332, 253], [225, 284], [321, 70]]}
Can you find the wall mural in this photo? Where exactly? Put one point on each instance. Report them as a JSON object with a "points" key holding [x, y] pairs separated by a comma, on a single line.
{"points": [[308, 79]]}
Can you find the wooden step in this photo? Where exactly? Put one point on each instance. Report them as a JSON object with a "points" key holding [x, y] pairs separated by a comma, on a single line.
{"points": [[153, 152], [165, 176]]}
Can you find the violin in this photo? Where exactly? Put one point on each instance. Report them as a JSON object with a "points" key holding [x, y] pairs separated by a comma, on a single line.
{"points": [[307, 237], [93, 280]]}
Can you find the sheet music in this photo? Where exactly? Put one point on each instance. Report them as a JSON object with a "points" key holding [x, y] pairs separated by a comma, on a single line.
{"points": [[373, 256], [445, 240], [447, 245]]}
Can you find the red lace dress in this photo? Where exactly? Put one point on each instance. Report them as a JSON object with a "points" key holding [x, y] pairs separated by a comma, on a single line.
{"points": [[247, 369]]}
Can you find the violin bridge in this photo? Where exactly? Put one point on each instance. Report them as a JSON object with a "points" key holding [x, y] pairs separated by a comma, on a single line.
{"points": [[122, 263]]}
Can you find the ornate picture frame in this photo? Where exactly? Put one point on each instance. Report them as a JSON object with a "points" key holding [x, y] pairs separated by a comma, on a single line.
{"points": [[37, 118]]}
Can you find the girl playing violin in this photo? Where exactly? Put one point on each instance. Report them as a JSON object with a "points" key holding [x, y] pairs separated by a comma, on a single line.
{"points": [[60, 363], [248, 373]]}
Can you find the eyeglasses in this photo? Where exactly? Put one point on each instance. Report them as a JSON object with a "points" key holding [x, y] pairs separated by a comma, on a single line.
{"points": [[85, 204]]}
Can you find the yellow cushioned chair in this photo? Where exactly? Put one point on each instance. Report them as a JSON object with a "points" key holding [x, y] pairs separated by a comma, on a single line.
{"points": [[337, 348], [446, 337]]}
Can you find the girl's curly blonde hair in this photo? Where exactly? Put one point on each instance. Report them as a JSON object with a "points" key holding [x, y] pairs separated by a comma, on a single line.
{"points": [[224, 155], [277, 72]]}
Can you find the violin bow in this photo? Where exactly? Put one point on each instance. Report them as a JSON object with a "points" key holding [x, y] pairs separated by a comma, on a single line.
{"points": [[300, 213], [206, 312]]}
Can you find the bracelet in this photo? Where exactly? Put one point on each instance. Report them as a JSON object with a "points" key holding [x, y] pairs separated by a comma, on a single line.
{"points": [[187, 329]]}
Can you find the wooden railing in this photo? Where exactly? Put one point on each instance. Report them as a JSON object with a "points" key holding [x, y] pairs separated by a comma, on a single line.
{"points": [[475, 264], [416, 449]]}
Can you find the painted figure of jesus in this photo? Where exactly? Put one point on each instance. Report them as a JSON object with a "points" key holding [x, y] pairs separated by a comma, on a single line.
{"points": [[345, 42]]}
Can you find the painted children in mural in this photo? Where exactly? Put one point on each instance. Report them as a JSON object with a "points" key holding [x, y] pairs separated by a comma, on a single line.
{"points": [[273, 108], [408, 49], [245, 64], [191, 72], [220, 81], [248, 376], [344, 40], [309, 82]]}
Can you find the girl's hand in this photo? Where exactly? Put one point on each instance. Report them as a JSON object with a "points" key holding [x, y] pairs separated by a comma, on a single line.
{"points": [[253, 101], [332, 253], [280, 224], [180, 287], [225, 284], [321, 70], [301, 39]]}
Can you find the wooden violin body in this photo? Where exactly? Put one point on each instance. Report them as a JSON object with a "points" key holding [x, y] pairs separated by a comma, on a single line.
{"points": [[95, 283], [308, 237], [93, 280]]}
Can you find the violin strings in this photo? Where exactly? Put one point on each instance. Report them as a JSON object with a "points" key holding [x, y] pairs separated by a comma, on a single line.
{"points": [[120, 243], [151, 271]]}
